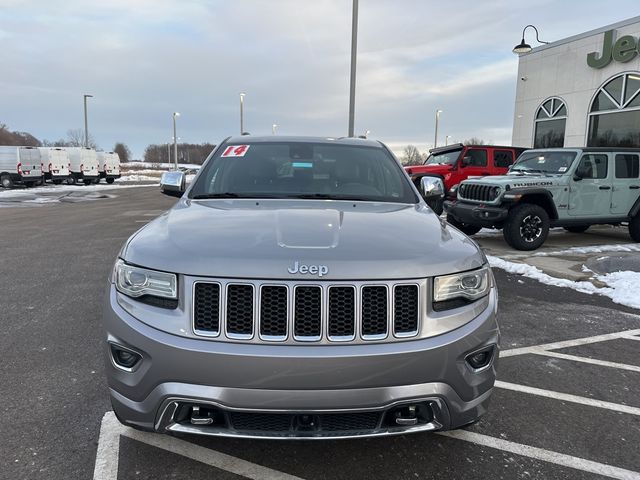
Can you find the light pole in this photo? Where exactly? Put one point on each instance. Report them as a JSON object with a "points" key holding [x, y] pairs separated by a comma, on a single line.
{"points": [[273, 128], [435, 141], [446, 140], [354, 51], [175, 140], [242, 95], [86, 123]]}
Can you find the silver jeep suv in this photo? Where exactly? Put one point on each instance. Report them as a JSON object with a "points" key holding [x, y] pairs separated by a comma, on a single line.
{"points": [[300, 288]]}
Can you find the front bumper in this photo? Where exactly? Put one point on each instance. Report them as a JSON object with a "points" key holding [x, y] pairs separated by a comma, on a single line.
{"points": [[229, 378], [476, 214]]}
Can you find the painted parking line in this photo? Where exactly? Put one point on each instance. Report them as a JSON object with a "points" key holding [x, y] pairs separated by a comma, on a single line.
{"points": [[616, 407], [543, 455], [568, 343], [107, 455], [592, 361], [630, 337]]}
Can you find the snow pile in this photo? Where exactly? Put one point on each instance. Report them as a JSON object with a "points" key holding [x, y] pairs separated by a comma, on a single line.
{"points": [[622, 287], [535, 273], [625, 287], [623, 247]]}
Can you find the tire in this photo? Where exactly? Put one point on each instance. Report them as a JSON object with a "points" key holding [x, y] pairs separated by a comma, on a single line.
{"points": [[110, 180], [463, 227], [527, 227], [6, 181], [87, 181], [97, 180], [437, 206], [634, 228], [71, 180], [577, 228]]}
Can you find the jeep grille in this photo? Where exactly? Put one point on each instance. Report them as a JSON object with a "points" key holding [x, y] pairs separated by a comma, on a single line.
{"points": [[478, 193], [268, 312]]}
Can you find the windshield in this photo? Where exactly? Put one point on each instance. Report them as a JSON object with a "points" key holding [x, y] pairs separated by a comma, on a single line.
{"points": [[444, 158], [544, 162], [303, 170]]}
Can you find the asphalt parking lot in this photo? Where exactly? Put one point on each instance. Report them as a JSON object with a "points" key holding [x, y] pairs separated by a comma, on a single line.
{"points": [[566, 405]]}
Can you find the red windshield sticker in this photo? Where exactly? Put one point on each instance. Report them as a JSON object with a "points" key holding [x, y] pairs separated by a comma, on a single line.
{"points": [[235, 151]]}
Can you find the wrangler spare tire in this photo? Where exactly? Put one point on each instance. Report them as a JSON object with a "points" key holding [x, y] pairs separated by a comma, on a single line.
{"points": [[634, 228]]}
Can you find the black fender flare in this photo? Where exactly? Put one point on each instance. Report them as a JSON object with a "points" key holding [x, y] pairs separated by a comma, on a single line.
{"points": [[528, 192]]}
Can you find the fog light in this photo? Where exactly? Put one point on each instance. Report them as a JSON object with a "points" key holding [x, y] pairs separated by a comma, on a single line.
{"points": [[123, 358], [480, 359]]}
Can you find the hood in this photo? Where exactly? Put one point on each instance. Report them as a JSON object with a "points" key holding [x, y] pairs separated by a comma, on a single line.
{"points": [[435, 168], [516, 181], [240, 238]]}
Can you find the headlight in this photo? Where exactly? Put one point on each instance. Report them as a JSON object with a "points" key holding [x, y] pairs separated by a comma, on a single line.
{"points": [[136, 282], [468, 285]]}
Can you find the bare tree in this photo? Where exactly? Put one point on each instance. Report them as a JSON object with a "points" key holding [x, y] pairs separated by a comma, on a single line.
{"points": [[75, 138], [474, 141], [123, 151], [411, 156]]}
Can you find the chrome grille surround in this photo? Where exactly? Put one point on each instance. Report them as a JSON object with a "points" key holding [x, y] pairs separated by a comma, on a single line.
{"points": [[295, 336]]}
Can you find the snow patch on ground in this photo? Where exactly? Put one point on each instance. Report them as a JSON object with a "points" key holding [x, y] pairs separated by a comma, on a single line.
{"points": [[134, 177], [54, 189], [622, 287]]}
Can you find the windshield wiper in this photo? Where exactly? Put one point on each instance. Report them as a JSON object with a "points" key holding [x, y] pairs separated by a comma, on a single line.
{"points": [[326, 196], [215, 195], [529, 170]]}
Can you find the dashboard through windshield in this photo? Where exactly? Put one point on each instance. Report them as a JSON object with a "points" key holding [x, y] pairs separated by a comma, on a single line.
{"points": [[544, 162], [303, 170]]}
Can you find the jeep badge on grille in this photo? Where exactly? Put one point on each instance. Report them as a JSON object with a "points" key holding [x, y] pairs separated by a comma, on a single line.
{"points": [[319, 270]]}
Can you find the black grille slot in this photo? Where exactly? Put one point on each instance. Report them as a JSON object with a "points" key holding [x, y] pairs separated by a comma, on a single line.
{"points": [[341, 311], [240, 309], [206, 307], [480, 193], [406, 309], [335, 422], [374, 310], [266, 422], [273, 311], [307, 311]]}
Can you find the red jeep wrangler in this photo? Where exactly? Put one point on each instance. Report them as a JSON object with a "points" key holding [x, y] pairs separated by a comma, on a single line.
{"points": [[455, 163]]}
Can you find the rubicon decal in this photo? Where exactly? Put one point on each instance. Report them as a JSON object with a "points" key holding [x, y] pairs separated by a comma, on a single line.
{"points": [[533, 184], [319, 270]]}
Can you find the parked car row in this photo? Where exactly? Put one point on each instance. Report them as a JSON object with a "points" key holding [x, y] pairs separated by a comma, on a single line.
{"points": [[30, 166]]}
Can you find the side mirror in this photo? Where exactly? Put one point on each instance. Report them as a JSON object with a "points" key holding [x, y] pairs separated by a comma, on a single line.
{"points": [[466, 161], [173, 183], [431, 188]]}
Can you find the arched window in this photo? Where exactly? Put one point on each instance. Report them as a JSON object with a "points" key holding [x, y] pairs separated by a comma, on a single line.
{"points": [[551, 120], [614, 117]]}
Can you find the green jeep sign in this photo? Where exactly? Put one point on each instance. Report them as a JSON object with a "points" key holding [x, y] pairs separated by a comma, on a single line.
{"points": [[623, 50]]}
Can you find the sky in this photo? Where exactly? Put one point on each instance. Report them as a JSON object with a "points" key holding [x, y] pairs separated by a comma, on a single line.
{"points": [[142, 60]]}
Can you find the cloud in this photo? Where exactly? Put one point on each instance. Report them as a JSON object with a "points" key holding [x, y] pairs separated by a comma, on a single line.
{"points": [[144, 59]]}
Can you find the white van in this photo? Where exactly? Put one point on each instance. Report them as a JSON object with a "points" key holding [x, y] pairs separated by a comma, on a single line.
{"points": [[83, 165], [20, 165], [109, 166], [55, 164]]}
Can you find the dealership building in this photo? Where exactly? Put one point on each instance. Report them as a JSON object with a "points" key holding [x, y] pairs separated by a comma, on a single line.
{"points": [[580, 91]]}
